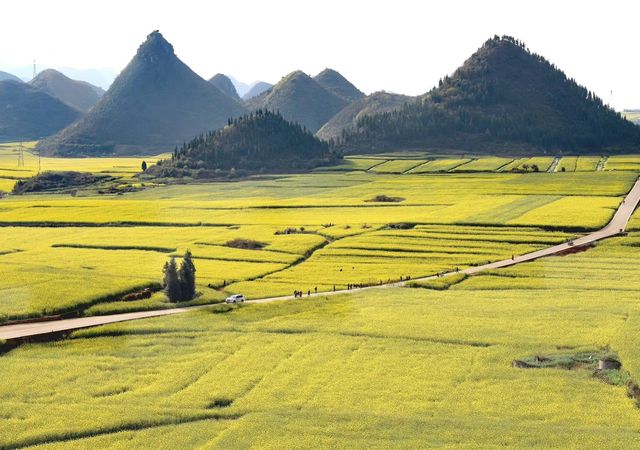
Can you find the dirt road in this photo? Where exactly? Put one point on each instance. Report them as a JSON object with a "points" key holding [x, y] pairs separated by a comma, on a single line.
{"points": [[615, 227]]}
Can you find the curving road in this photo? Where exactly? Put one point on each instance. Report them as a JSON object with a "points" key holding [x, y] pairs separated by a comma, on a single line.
{"points": [[617, 225]]}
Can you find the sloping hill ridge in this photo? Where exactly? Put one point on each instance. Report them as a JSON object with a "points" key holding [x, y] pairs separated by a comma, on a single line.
{"points": [[334, 82], [300, 98], [256, 142], [224, 83], [257, 89], [77, 94], [503, 98], [28, 113], [155, 104], [376, 103], [8, 76]]}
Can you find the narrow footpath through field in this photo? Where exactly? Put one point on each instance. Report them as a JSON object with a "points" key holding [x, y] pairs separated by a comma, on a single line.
{"points": [[613, 228]]}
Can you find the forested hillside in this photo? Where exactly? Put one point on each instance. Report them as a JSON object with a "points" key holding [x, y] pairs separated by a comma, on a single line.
{"points": [[502, 98], [258, 141]]}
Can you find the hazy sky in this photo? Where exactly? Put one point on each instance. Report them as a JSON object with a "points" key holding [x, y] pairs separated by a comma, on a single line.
{"points": [[401, 46]]}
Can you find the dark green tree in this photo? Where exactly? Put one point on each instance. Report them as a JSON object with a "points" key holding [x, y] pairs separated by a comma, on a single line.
{"points": [[144, 166], [171, 282], [187, 277]]}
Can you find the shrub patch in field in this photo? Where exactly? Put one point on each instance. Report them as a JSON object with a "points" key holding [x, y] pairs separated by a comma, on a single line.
{"points": [[220, 403], [246, 244], [385, 199], [50, 181], [402, 226], [605, 366]]}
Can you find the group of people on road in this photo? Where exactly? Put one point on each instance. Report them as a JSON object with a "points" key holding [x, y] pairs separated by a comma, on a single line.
{"points": [[350, 286], [300, 294]]}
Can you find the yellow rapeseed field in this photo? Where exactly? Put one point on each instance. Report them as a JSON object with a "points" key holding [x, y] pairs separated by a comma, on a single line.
{"points": [[381, 368], [392, 368], [568, 164], [623, 162], [319, 230]]}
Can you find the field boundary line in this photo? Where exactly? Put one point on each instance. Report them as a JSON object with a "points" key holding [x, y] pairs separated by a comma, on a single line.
{"points": [[413, 167], [378, 164], [499, 169]]}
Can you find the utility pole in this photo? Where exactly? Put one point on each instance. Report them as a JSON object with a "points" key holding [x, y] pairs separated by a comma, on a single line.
{"points": [[20, 155]]}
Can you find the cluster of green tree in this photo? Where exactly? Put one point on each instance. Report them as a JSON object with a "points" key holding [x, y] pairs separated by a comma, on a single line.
{"points": [[527, 168], [180, 283], [502, 97], [255, 142], [58, 181]]}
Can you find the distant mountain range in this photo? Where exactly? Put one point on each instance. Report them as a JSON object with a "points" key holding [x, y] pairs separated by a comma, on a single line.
{"points": [[28, 113], [348, 117], [102, 77], [225, 84], [156, 103], [77, 94], [238, 90], [8, 76], [257, 89], [503, 98], [300, 98], [338, 85]]}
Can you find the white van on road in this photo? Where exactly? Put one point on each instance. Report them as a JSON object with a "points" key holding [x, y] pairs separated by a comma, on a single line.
{"points": [[236, 298]]}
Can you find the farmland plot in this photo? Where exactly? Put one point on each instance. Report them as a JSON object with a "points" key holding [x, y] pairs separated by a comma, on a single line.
{"points": [[389, 367], [308, 226], [398, 166]]}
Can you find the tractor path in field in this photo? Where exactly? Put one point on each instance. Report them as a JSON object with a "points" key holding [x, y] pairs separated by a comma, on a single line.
{"points": [[613, 228]]}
